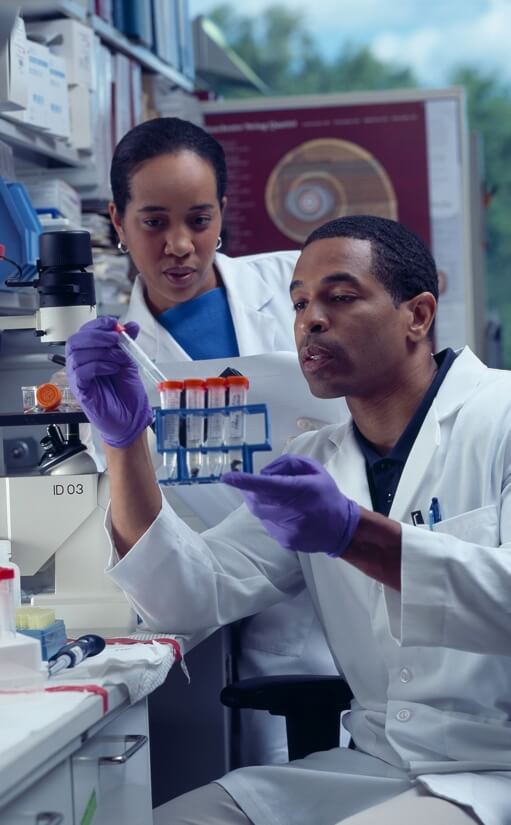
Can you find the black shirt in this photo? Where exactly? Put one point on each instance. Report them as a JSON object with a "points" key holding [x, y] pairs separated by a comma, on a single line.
{"points": [[384, 472]]}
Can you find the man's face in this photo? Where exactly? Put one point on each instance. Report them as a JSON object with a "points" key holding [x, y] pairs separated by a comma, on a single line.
{"points": [[350, 336]]}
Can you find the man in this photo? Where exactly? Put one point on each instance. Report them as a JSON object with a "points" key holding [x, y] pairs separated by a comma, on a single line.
{"points": [[396, 522]]}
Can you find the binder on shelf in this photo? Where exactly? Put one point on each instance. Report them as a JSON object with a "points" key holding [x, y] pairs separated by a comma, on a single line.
{"points": [[137, 21], [118, 14], [186, 56], [166, 31]]}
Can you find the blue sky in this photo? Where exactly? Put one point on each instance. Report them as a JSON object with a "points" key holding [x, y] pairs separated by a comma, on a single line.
{"points": [[428, 35]]}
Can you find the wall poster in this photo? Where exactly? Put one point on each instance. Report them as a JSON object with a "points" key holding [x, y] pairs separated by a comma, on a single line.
{"points": [[297, 162]]}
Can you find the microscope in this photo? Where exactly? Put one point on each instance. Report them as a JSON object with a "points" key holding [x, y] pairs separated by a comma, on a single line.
{"points": [[54, 515]]}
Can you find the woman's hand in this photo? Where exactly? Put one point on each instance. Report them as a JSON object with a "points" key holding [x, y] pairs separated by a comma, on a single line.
{"points": [[106, 382]]}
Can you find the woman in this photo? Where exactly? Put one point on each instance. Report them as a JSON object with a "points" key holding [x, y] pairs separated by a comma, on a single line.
{"points": [[168, 180]]}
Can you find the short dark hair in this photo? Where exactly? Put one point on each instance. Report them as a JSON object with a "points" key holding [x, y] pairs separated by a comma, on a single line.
{"points": [[401, 260], [162, 136]]}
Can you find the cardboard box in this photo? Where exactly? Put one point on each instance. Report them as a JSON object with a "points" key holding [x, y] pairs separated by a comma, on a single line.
{"points": [[14, 70], [37, 113], [55, 193], [80, 113], [59, 98], [72, 40]]}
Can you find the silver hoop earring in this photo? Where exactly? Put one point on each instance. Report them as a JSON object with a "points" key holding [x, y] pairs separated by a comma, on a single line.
{"points": [[122, 248], [218, 244]]}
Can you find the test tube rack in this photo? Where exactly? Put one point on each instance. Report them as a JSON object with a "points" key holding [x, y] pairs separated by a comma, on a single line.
{"points": [[246, 449]]}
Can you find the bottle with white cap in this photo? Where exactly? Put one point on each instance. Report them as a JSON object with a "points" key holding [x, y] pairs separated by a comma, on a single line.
{"points": [[6, 561]]}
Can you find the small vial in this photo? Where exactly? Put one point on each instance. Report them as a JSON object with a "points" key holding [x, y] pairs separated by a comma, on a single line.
{"points": [[170, 399], [7, 606], [69, 402], [142, 360], [29, 402], [6, 561], [216, 388], [195, 398], [238, 388]]}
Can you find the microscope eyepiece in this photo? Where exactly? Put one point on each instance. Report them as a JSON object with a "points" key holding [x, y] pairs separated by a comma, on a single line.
{"points": [[70, 248]]}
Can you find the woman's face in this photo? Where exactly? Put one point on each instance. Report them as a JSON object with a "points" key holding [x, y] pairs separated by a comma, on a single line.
{"points": [[171, 227]]}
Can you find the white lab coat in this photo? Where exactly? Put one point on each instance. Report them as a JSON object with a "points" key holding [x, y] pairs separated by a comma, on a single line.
{"points": [[424, 709], [286, 638]]}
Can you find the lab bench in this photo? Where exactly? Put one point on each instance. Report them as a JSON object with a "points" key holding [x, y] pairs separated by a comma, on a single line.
{"points": [[87, 765]]}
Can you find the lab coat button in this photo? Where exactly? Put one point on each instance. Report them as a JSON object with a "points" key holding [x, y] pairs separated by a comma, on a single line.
{"points": [[403, 715], [405, 674]]}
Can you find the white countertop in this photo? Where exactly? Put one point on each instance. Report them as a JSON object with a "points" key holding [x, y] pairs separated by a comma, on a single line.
{"points": [[69, 719], [39, 729]]}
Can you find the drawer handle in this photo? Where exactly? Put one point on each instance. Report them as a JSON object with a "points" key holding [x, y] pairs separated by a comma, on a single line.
{"points": [[49, 818], [138, 740]]}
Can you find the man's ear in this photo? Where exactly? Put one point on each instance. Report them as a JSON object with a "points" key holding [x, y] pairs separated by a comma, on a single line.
{"points": [[422, 309]]}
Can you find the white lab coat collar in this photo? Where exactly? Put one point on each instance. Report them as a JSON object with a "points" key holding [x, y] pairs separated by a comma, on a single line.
{"points": [[255, 329], [463, 378], [347, 464], [247, 298]]}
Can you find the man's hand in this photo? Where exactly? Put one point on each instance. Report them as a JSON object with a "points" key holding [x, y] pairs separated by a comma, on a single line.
{"points": [[106, 382], [299, 504]]}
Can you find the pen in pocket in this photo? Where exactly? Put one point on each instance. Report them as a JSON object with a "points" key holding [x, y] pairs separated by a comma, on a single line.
{"points": [[434, 515]]}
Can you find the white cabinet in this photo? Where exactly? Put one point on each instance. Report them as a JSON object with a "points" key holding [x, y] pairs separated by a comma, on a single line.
{"points": [[106, 780], [111, 772], [48, 802]]}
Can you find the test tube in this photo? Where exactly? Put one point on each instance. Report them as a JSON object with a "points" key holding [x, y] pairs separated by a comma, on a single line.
{"points": [[195, 398], [142, 360], [170, 399], [7, 604], [238, 388], [216, 388]]}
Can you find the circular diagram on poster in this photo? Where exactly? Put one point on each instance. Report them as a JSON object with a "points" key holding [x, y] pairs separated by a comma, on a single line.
{"points": [[324, 179]]}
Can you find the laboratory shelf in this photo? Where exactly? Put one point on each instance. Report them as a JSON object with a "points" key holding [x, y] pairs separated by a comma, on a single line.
{"points": [[47, 9], [42, 419], [38, 144], [114, 38]]}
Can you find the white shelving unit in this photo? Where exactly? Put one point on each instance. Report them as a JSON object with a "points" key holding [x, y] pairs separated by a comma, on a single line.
{"points": [[43, 9], [147, 59], [42, 149], [39, 146]]}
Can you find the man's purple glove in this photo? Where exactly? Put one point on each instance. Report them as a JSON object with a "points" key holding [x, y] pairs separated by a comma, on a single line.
{"points": [[299, 504], [106, 382]]}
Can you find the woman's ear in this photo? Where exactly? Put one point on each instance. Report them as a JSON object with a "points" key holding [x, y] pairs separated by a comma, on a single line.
{"points": [[223, 204], [116, 220], [422, 310]]}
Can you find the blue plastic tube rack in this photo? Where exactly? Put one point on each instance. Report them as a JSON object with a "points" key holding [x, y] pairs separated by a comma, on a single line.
{"points": [[246, 449]]}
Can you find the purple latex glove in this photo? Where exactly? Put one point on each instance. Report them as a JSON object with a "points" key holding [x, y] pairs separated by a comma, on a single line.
{"points": [[106, 382], [299, 504]]}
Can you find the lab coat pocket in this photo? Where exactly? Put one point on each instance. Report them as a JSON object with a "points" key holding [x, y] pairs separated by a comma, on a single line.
{"points": [[479, 526]]}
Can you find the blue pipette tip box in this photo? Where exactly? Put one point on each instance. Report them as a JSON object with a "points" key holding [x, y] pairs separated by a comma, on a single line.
{"points": [[52, 637]]}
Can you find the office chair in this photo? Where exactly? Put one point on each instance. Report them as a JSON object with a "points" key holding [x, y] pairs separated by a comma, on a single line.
{"points": [[312, 706]]}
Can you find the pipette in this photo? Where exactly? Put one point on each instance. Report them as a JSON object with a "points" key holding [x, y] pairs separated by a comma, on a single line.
{"points": [[75, 652], [139, 356]]}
